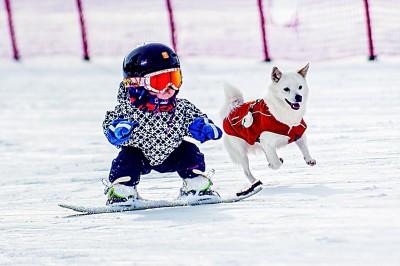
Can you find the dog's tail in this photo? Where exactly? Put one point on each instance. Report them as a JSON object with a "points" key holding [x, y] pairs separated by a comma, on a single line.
{"points": [[233, 99]]}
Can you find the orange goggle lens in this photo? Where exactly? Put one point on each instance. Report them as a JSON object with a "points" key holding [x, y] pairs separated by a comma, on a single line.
{"points": [[161, 81]]}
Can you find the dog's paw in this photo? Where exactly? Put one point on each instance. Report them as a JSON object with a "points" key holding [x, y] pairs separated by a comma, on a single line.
{"points": [[276, 165], [311, 161]]}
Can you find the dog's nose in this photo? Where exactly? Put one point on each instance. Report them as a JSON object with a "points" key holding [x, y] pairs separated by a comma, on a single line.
{"points": [[298, 98]]}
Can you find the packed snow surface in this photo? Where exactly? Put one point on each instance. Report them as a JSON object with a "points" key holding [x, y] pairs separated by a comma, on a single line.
{"points": [[343, 211]]}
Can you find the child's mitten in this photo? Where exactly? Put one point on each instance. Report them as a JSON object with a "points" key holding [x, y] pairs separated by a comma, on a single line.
{"points": [[203, 129], [120, 130]]}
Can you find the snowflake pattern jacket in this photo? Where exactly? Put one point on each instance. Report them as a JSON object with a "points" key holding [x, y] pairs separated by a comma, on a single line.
{"points": [[158, 133]]}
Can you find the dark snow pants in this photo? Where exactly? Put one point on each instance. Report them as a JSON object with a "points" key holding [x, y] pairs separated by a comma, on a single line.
{"points": [[132, 162]]}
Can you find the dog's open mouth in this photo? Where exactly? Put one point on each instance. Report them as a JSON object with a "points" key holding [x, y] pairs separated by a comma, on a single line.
{"points": [[294, 106]]}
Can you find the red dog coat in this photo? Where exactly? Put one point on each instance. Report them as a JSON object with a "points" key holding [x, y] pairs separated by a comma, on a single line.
{"points": [[263, 121]]}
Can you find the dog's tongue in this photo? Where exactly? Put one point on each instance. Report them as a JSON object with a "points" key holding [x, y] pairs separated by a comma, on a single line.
{"points": [[295, 106]]}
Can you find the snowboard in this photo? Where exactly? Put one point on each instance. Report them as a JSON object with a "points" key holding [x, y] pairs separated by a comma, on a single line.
{"points": [[155, 204]]}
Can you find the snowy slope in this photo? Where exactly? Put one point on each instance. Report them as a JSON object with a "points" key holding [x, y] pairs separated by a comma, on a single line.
{"points": [[344, 211]]}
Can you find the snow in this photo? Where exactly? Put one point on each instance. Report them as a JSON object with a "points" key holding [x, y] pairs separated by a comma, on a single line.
{"points": [[343, 211]]}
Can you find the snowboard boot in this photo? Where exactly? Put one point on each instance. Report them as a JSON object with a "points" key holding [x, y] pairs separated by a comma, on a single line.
{"points": [[198, 187], [120, 195]]}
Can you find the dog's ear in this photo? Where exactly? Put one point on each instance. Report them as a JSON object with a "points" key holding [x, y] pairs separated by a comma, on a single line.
{"points": [[304, 70], [276, 74]]}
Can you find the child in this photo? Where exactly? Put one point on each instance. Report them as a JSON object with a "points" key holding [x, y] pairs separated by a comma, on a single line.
{"points": [[149, 124]]}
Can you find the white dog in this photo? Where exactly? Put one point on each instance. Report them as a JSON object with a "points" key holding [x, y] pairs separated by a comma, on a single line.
{"points": [[272, 122]]}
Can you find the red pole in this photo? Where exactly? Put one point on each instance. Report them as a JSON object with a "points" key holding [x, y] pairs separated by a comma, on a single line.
{"points": [[83, 31], [172, 24], [263, 31], [372, 55], [11, 29]]}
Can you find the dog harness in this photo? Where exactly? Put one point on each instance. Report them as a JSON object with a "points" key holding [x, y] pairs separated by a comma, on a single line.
{"points": [[263, 121]]}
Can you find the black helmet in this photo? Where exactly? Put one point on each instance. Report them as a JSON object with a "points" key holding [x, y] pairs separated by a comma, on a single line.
{"points": [[149, 58]]}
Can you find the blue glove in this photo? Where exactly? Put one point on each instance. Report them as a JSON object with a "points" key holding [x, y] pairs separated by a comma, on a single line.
{"points": [[120, 130], [203, 129]]}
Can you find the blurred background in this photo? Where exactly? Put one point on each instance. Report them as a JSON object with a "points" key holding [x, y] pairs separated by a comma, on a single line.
{"points": [[258, 29]]}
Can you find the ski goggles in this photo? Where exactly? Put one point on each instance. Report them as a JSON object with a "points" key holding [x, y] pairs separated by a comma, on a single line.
{"points": [[157, 81]]}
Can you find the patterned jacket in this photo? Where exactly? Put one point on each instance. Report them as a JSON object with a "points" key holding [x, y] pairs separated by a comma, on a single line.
{"points": [[158, 133], [263, 121]]}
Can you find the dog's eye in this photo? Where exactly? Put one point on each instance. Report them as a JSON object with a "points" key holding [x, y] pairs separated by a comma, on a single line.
{"points": [[286, 89], [300, 87]]}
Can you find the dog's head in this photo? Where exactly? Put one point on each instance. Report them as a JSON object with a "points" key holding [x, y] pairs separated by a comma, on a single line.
{"points": [[289, 89]]}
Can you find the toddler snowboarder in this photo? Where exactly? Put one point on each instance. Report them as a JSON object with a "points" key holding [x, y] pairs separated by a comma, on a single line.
{"points": [[149, 124]]}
